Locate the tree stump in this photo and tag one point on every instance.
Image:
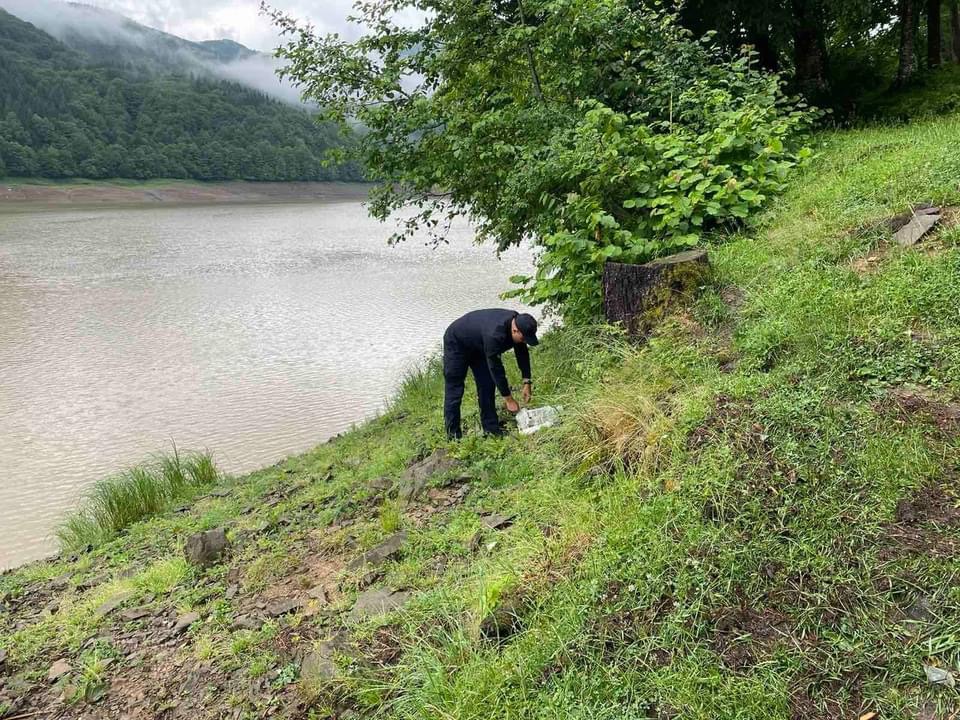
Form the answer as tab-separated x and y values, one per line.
638	296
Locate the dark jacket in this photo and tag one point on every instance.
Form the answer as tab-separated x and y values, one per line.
486	334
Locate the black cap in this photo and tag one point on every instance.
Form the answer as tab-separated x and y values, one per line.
528	326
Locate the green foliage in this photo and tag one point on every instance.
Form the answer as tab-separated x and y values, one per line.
90	682
644	192
391	518
594	128
931	94
61	116
117	502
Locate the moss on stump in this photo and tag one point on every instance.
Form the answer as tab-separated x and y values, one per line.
639	296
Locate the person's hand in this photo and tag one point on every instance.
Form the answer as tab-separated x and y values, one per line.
512	405
527	392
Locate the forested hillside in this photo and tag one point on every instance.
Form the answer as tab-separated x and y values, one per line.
63	116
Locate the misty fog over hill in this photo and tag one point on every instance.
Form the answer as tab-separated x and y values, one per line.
109	39
99	96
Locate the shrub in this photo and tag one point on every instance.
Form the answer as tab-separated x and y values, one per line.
639	191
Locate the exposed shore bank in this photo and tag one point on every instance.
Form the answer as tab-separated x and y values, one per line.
20	193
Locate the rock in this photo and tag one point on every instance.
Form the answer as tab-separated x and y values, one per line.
91	582
922	611
318	592
134	614
496	522
282	606
919	225
369	578
185	621
415	478
939	676
381	484
205	548
3	658
319	665
378	555
58	670
113	603
232	592
247	622
221	492
639	296
376	602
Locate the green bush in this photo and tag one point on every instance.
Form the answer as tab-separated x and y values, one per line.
639	191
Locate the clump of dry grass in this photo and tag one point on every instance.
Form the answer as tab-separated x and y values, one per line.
620	426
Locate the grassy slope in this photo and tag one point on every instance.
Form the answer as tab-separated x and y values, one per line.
760	530
931	94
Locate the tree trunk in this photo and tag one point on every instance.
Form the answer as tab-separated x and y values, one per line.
934	34
640	296
809	50
908	32
766	52
955	29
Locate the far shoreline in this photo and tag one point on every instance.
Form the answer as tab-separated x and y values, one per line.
37	194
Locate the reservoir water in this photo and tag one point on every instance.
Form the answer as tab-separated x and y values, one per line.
254	331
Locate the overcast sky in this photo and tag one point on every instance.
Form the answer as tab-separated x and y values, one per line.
238	20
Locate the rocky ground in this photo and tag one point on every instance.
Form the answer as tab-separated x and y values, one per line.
140	657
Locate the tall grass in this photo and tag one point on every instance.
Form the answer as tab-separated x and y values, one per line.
118	501
420	386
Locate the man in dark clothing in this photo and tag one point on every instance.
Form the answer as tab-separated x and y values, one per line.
476	341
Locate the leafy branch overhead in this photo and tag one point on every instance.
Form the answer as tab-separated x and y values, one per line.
593	128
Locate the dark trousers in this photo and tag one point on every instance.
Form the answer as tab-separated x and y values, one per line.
455	364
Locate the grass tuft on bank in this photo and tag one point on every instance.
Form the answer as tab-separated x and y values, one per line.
753	514
114	503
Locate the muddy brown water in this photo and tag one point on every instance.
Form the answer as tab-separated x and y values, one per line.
254	331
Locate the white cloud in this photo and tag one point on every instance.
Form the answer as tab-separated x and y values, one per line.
238	20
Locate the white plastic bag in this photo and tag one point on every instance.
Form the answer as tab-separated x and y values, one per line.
529	420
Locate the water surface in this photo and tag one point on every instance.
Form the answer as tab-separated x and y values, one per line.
254	331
